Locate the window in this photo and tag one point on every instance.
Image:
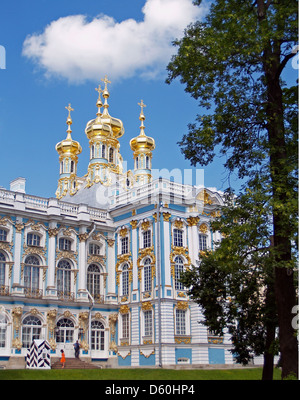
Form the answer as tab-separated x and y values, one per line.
97	335
147	239
111	155
148	322
33	239
3	235
93	280
72	167
147	162
31	330
2	269
180	322
94	249
147	276
64	278
65	331
3	329
124	245
137	163
125	326
178	271
31	276
103	151
178	238
202	242
64	244
125	280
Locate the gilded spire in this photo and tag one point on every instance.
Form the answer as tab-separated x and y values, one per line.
142	118
69	121
105	94
99	102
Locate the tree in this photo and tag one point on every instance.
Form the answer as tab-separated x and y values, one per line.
234	285
233	63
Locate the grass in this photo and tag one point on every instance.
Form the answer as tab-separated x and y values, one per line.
137	374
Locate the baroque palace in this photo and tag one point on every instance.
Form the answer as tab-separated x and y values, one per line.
101	261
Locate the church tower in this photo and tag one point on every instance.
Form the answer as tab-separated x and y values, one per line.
103	133
68	151
142	147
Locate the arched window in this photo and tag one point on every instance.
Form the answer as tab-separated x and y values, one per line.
137	163
64	278
97	335
178	271
3	330
31	330
111	155
31	276
147	275
2	270
93	281
65	331
125	280
72	166
147	162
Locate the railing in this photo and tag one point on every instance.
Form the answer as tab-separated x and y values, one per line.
69	296
150	191
33	293
98	298
43	204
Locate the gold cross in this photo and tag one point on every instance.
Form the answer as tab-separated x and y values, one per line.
142	105
98	89
69	108
106	81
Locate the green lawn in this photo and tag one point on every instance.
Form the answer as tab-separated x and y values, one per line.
136	374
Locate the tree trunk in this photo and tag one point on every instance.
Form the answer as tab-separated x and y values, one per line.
285	292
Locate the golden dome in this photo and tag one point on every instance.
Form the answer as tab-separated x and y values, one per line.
142	142
68	145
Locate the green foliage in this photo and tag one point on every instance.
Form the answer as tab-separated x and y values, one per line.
232	63
234	283
221	62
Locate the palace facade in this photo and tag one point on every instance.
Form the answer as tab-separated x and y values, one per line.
101	261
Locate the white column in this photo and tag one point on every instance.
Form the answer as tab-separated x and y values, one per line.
82	293
16	287
51	289
167	246
111	270
134	256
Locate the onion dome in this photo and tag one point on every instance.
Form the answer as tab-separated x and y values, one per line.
68	146
142	143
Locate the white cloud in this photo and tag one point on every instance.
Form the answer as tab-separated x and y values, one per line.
78	49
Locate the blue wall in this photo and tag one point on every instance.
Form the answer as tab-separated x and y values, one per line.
147	360
216	356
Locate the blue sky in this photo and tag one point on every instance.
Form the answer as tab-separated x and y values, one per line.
57	53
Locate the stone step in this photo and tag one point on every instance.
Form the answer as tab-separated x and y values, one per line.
74	363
